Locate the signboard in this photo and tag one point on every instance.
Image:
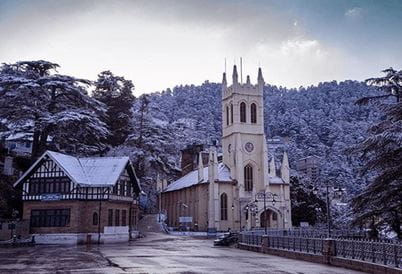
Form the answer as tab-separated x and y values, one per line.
187	219
304	224
51	197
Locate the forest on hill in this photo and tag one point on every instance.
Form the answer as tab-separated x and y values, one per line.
318	120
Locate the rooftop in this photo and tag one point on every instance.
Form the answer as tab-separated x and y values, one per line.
87	171
191	178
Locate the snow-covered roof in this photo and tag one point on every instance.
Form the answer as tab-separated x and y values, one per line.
24	136
191	178
93	171
275	180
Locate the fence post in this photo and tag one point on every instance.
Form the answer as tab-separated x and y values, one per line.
265	244
373	251
328	250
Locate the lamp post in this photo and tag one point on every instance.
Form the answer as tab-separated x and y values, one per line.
233	217
327	201
107	190
240	202
251	208
263	195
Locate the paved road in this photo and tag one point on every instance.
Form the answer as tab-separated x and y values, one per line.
156	253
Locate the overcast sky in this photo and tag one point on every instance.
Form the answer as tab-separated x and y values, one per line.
160	44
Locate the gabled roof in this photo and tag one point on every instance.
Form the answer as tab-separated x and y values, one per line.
191	178
92	171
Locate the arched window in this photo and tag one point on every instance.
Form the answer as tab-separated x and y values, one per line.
231	113
224	207
253	113
242	112
248	178
227	115
95	219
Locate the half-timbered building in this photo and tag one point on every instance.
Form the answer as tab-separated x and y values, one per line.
75	200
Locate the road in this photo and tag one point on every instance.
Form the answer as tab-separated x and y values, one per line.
156	253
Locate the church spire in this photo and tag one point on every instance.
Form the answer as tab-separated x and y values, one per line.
260	78
235	77
272	168
285	168
200	168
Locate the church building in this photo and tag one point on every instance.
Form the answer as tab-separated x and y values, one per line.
218	195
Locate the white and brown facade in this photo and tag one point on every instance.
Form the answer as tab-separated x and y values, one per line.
76	200
220	196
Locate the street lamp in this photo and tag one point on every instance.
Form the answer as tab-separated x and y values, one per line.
263	195
338	191
251	208
106	190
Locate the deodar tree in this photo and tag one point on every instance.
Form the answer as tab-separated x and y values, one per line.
116	93
53	107
380	203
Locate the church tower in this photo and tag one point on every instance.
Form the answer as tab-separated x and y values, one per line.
243	140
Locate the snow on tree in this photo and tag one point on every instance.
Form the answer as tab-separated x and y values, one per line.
380	203
151	147
306	206
34	99
116	93
391	84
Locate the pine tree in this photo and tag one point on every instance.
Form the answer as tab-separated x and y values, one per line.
306	206
391	84
380	203
52	107
117	93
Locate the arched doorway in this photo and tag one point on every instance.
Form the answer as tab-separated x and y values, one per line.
269	218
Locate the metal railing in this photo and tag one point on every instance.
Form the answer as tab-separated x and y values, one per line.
311	233
370	251
250	239
378	252
298	244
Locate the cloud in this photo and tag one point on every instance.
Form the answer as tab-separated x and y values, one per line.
159	44
355	12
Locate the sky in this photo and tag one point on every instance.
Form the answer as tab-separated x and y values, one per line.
161	44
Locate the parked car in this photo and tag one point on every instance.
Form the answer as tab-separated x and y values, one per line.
226	239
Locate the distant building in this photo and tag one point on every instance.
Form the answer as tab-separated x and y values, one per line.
276	142
74	200
217	195
20	144
189	158
309	168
